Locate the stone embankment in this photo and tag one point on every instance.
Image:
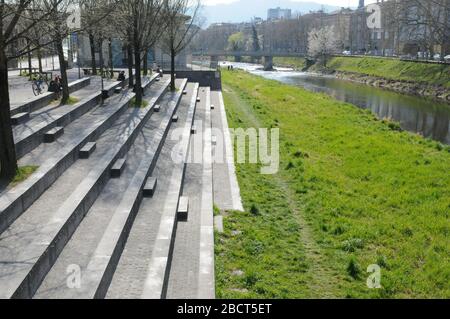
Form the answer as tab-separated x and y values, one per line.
436	92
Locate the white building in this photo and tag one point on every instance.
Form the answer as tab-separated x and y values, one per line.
279	14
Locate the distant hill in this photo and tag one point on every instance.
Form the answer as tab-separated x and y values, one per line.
245	10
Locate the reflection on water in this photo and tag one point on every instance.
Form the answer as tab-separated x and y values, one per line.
415	114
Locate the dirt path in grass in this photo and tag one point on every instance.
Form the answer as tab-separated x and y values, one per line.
321	284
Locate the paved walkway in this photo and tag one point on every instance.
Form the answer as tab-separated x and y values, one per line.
226	189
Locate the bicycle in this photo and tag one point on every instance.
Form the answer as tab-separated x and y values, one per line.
39	85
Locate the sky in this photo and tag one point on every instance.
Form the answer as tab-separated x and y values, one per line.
341	3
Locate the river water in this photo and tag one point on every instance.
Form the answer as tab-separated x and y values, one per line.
415	114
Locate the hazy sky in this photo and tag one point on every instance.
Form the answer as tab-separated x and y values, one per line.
342	3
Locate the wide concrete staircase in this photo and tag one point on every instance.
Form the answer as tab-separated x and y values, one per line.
100	218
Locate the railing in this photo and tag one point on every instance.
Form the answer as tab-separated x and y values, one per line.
417	60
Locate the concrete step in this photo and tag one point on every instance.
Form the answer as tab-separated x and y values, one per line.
46	98
30	135
150	187
53	159
53	134
87	150
149	243
183	209
20	118
70	197
191	274
118	167
114	209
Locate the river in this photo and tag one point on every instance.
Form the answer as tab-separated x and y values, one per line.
426	117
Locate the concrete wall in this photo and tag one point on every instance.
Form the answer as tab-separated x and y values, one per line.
212	79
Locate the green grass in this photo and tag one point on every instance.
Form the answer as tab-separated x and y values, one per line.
24	74
435	74
72	100
22	174
144	103
296	63
352	191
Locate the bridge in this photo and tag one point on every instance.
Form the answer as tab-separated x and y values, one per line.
267	55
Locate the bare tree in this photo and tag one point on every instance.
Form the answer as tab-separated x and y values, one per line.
97	18
182	19
430	20
140	22
11	15
59	11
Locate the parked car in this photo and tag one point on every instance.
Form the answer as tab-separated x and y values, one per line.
447	58
347	53
437	57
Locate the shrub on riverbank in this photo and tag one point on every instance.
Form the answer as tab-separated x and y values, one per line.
359	192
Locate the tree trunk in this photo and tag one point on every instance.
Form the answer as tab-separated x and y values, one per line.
93	62
39	55
63	70
111	62
130	66
100	55
137	66
172	70
145	63
30	62
8	160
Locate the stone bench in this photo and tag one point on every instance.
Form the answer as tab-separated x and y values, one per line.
183	208
198	100
185	92
214	140
157	79
87	150
20	118
150	187
193	129
175	118
118	168
53	134
118	90
212	107
157	108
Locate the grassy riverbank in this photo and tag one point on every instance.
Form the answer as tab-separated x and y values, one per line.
435	74
352	191
426	73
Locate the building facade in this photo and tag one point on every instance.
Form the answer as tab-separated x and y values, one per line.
279	14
